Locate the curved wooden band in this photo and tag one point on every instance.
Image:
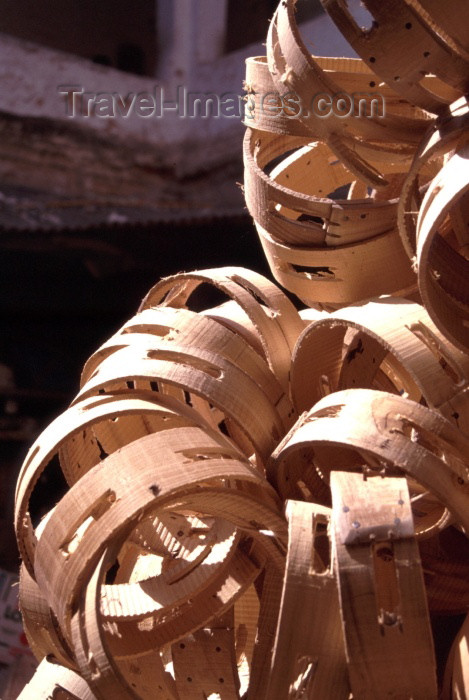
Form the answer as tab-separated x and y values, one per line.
393	134
391	344
252	412
357	427
341	275
54	681
40	625
205	662
270	311
402	46
308	657
89	429
293	68
381	589
442	270
115	511
444	135
195	337
293	203
105	676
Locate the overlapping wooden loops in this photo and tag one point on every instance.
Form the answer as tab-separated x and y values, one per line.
324	188
263	503
163	450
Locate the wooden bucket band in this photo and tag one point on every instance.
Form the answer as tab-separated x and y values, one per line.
337	276
267	308
374	431
403	45
249	415
199	336
381	589
309	657
52	680
444	135
394	133
63	583
205	662
294	71
442	247
40	624
91	428
169	568
293	202
389	344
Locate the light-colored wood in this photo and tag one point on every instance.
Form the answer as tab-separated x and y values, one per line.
443	268
382	594
366	430
269	310
445	134
54	681
403	44
214	541
389	344
309	659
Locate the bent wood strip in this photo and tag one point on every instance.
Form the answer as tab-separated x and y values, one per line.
205	662
175	453
207	376
448	132
341	275
298	189
389	344
54	681
267	307
402	45
309	658
376	432
442	266
79	423
382	594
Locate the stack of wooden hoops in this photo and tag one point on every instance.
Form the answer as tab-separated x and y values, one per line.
265	503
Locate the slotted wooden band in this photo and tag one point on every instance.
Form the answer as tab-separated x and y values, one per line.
85	433
392	134
253	414
215	542
381	589
156	322
444	135
442	244
388	344
269	310
403	44
342	275
180	474
97	666
288	64
299	189
364	429
196	337
308	659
